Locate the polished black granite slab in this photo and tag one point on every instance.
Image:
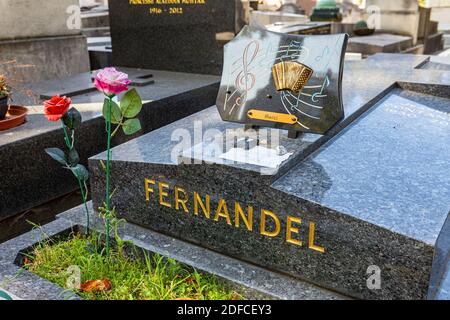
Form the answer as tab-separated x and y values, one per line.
185	37
30	178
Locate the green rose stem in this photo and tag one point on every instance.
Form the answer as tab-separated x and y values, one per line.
108	167
82	189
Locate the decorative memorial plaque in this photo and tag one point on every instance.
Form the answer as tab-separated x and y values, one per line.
283	81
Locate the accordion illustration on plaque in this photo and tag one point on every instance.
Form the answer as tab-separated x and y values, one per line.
283	81
291	75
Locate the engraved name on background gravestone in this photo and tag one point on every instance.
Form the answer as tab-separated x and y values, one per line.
283	81
173	35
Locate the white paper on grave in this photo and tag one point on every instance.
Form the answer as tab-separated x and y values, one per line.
259	155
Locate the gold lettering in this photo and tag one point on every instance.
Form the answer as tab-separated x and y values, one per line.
148	190
239	213
182	201
312	246
242	216
264	232
290	229
163	194
222	207
205	208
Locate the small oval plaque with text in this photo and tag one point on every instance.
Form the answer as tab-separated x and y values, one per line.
272	116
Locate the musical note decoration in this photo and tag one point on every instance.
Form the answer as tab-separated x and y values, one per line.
319	94
269	74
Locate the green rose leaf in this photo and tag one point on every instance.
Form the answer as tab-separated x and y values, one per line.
74	158
81	172
57	154
131	104
131	126
72	118
116	113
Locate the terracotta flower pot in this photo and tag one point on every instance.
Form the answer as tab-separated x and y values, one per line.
3	107
15	117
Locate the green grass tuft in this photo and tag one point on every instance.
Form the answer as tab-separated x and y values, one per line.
151	278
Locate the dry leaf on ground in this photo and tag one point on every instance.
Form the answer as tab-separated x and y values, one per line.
96	286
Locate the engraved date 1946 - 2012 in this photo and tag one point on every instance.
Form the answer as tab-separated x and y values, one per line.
170	10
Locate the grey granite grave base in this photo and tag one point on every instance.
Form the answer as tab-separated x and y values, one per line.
387	170
100	56
357	232
44	58
30	178
437	63
377	43
252	281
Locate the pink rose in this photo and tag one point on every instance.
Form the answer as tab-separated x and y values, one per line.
111	82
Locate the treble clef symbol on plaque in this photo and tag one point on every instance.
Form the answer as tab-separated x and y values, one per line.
246	80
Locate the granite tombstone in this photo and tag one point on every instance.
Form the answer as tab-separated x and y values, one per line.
184	36
361	210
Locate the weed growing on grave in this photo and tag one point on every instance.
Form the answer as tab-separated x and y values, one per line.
4	88
129	272
148	278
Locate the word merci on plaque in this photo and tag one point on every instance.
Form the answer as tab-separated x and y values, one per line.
179	199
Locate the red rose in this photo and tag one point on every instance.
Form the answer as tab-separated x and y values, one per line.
56	107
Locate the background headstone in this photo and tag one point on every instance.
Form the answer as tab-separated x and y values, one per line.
41	40
270	17
35	18
175	37
399	17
